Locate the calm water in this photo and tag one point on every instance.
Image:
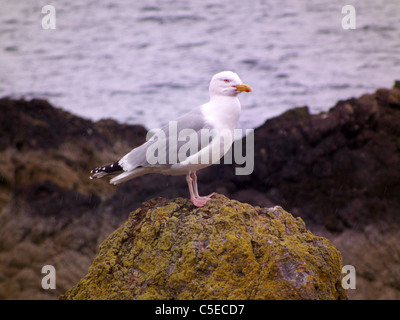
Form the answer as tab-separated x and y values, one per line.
149	61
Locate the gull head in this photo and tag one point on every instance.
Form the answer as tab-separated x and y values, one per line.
227	83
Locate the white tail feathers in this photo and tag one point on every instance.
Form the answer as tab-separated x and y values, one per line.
125	176
100	174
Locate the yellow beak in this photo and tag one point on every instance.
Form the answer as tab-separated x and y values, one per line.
243	87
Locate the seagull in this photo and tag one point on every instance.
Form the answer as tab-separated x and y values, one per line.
179	148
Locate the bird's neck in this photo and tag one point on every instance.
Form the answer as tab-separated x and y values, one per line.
223	111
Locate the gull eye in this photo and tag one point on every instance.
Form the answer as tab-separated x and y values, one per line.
226	80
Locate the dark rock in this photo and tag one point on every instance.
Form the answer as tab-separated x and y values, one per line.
339	171
320	164
39	142
45	199
45	224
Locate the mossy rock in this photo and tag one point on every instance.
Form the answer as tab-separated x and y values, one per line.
169	249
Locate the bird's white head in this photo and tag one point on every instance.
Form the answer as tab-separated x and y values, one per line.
227	83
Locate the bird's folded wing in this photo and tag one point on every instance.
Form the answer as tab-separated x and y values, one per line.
171	144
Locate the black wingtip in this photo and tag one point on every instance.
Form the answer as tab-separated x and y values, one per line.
111	168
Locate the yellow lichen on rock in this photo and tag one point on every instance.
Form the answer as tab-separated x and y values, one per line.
168	249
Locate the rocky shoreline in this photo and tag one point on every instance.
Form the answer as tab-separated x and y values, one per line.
339	171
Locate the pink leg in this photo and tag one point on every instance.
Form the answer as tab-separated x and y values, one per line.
198	201
190	185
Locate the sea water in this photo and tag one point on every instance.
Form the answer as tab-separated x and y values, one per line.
148	62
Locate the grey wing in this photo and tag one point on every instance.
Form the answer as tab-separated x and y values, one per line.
165	146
